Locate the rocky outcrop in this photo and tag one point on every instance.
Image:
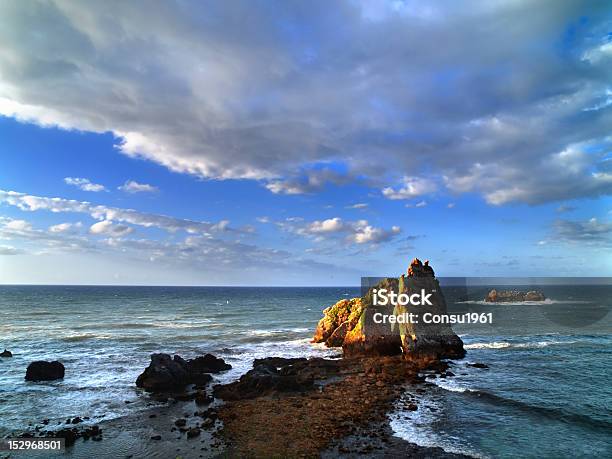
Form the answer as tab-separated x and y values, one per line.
207	363
6	354
44	371
166	373
504	296
369	338
268	375
352	324
422	340
337	321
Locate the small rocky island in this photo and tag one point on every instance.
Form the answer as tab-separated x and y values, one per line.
511	296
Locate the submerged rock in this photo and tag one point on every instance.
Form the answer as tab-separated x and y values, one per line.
495	296
6	354
44	371
166	373
478	365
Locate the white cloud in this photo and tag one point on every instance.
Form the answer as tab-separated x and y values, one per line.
263	219
412	187
281	187
195	252
131	186
568	174
8	250
209	95
450	205
18	225
99	212
12	229
84	184
64	227
330	225
353	232
359	205
365	233
107	227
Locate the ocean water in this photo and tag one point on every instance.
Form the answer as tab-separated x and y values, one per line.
547	391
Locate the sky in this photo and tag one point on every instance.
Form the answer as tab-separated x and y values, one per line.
303	143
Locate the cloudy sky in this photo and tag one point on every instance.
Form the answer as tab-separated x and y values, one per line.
303	143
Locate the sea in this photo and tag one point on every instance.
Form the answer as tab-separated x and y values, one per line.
545	393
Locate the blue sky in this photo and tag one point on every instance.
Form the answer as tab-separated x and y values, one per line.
303	143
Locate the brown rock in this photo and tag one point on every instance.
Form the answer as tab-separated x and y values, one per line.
334	316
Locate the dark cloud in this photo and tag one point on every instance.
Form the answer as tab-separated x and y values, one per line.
587	233
508	99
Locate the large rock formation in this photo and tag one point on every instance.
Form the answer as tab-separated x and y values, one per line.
504	296
354	320
166	373
424	340
44	371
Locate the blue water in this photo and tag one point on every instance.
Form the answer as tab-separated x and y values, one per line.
547	391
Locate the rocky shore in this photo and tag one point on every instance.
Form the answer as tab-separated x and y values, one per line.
331	408
340	410
288	407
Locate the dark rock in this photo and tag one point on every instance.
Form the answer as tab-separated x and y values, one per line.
263	379
44	371
70	436
208	413
76	420
184	396
207	423
6	354
166	373
478	365
156	437
203	399
207	363
180	422
193	432
278	361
